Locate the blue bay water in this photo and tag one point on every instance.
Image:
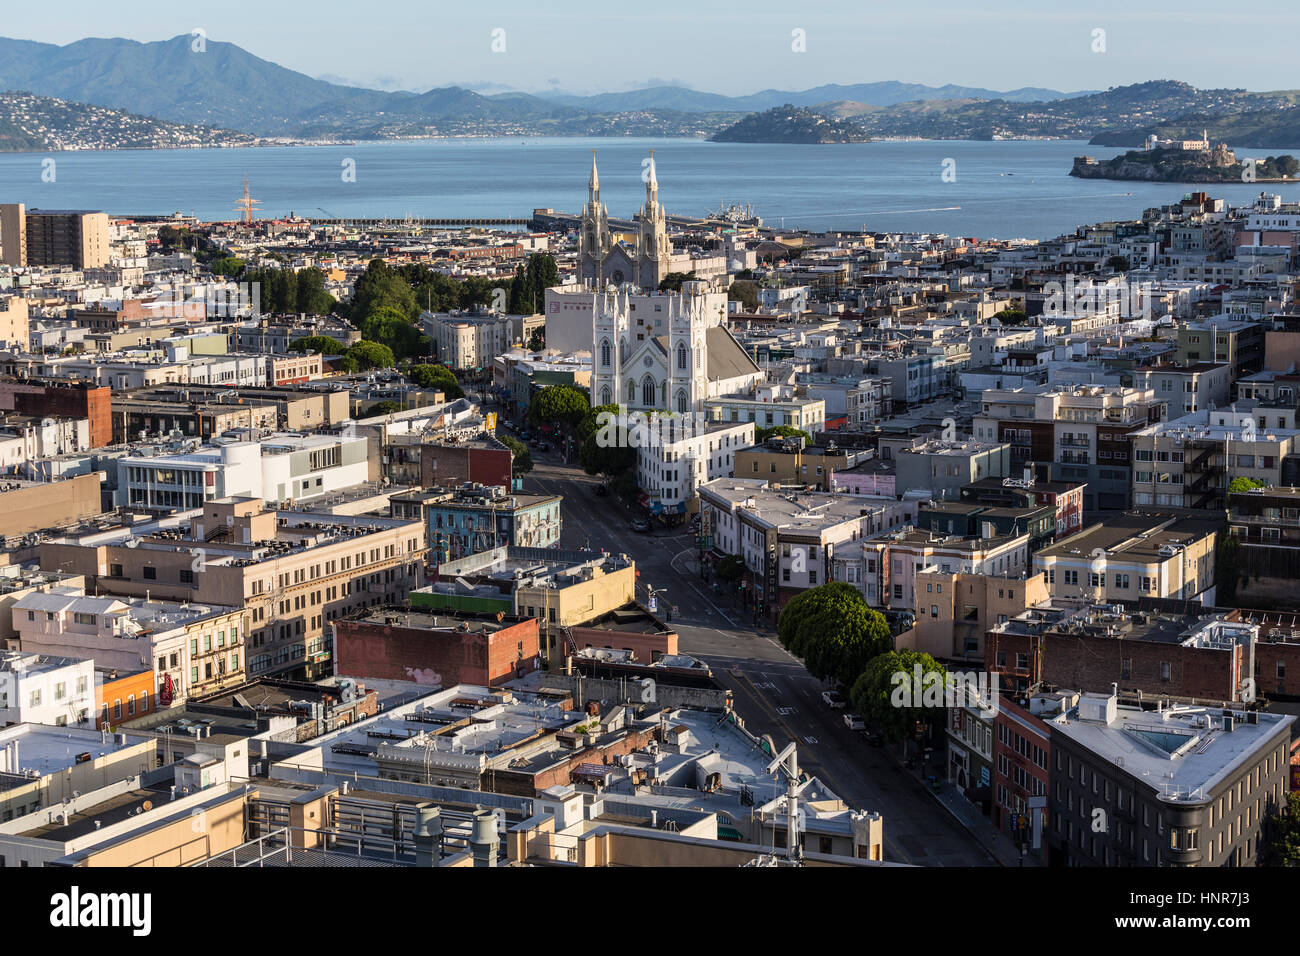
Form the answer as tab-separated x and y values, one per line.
1001	189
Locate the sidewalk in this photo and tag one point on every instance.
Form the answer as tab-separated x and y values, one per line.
996	842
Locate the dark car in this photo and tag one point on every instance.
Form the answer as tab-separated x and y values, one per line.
543	446
602	491
640	524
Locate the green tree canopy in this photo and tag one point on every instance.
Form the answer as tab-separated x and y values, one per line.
537	341
603	451
228	266
1119	263
1282	847
386	407
885	694
744	292
370	355
436	377
380	287
781	431
324	344
673	281
1245	484
391	327
521	461
730	569
1011	317
559	405
834	631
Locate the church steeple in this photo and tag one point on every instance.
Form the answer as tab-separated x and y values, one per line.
593	182
651	186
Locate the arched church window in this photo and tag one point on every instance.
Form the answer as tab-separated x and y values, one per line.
648	392
681	401
681	357
604	395
605	353
631	392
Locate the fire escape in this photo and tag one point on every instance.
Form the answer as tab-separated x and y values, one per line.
1208	492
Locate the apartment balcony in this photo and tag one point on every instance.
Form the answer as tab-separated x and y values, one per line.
1074	458
1076	441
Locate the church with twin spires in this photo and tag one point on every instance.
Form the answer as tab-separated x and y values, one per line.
602	261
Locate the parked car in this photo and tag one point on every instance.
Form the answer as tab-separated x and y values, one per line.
854	722
834	698
640	524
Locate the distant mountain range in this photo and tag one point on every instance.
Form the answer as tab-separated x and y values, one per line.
227	88
888	93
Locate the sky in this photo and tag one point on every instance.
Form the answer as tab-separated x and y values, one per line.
725	47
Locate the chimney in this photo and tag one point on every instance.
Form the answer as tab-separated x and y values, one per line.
428	836
483	838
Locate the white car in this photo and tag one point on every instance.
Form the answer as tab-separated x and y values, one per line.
833	699
854	722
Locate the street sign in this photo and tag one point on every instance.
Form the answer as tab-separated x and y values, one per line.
654	604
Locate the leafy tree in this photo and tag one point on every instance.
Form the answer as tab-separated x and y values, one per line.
521	461
558	404
673	281
744	292
596	454
391	327
386	407
380	287
324	344
1012	317
1245	484
781	431
228	266
1118	263
1282	843
890	703
312	297
1227	567
537	341
730	569
436	377
370	355
834	631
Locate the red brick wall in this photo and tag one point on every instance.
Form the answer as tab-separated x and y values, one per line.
1094	663
36	398
447	465
392	652
1267	657
647	647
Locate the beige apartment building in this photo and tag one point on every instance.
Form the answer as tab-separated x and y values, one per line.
193	649
53	237
954	610
14	325
294	573
1132	556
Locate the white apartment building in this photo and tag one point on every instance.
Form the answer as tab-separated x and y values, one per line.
284	467
670	471
768	406
40	689
469	341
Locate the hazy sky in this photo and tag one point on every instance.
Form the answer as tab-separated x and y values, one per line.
725	47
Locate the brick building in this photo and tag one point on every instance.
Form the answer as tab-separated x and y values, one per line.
484	461
394	643
1157	651
63	399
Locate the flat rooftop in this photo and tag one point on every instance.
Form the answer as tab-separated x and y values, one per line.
1181	752
1134	536
402	616
47	749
